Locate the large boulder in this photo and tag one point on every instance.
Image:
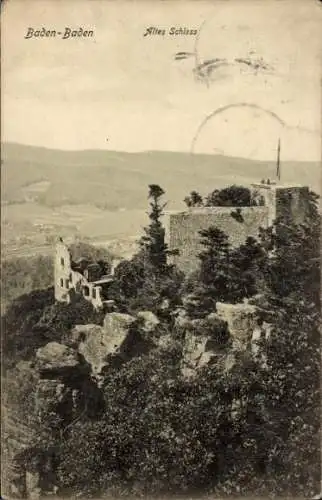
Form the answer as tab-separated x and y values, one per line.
117	324
242	319
102	345
57	360
121	337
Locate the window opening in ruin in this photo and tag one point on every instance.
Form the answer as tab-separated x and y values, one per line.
62	262
67	283
86	291
62	282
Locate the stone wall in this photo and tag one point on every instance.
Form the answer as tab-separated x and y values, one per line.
184	229
62	266
292	201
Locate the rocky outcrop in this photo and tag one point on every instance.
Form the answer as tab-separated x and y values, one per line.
148	320
195	354
100	344
117	326
81	332
16	432
66	385
121	337
203	340
92	348
242	319
58	360
247	328
237	325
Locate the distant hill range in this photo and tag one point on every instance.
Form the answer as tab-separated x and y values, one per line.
118	180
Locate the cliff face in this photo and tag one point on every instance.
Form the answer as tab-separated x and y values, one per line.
238	324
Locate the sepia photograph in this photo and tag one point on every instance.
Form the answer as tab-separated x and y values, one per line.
160	249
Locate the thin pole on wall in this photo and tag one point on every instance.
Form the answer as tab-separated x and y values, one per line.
278	165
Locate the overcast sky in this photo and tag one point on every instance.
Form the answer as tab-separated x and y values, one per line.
120	85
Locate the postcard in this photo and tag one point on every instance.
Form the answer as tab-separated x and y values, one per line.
160	214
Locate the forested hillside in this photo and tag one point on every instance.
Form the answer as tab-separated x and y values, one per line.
159	397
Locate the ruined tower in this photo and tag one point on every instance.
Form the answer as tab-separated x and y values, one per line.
83	276
288	200
62	267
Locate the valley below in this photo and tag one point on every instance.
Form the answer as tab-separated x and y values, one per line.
101	196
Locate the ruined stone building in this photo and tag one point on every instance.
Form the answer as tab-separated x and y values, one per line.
272	200
81	276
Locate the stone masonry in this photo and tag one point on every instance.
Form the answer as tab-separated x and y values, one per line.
274	200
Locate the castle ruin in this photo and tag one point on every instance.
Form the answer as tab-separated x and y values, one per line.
82	276
272	201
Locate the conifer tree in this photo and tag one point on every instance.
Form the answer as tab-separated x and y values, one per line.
148	280
227	274
250	261
216	266
153	242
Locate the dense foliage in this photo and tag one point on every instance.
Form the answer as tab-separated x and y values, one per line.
247	422
231	196
35	319
227	274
